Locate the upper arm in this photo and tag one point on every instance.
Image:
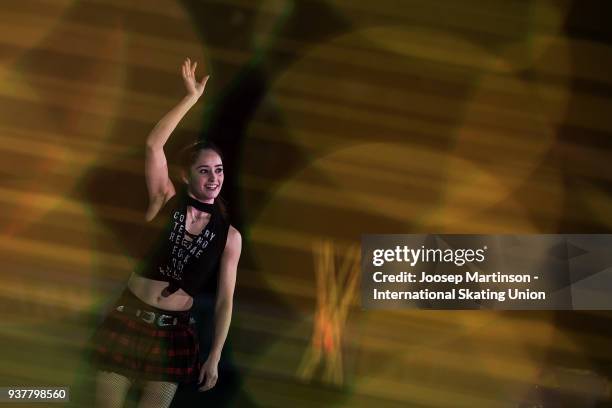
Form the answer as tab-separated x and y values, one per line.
229	265
159	185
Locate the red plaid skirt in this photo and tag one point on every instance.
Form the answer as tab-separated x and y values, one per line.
127	345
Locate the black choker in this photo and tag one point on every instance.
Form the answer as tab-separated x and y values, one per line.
200	205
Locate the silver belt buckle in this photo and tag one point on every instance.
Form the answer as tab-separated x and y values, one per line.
161	322
147	316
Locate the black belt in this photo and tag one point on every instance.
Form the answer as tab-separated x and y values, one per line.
156	318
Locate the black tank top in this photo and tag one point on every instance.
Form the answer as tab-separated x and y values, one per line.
187	265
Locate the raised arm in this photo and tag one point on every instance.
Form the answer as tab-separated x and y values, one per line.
223	307
159	185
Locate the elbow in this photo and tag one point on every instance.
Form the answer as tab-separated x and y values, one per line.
152	146
224	304
157	138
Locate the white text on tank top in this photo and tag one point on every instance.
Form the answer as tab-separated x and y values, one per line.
184	250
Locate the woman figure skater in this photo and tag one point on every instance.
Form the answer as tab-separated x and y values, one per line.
149	334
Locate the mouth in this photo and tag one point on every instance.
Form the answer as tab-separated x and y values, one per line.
211	187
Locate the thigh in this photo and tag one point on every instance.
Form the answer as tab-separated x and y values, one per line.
111	389
157	394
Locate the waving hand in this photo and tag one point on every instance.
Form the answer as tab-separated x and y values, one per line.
194	88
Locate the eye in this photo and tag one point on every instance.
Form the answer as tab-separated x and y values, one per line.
203	171
219	170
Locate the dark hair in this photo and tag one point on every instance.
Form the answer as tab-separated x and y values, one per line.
189	153
188	156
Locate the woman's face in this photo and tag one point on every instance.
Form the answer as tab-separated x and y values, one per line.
206	176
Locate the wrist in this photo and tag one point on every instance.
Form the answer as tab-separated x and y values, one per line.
191	99
214	356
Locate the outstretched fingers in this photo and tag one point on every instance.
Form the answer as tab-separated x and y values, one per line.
184	69
187	68
189	76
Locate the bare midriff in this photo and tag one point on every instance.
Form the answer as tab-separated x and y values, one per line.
150	292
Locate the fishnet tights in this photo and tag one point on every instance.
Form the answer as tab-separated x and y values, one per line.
111	389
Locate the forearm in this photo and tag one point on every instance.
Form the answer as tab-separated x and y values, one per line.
165	126
223	317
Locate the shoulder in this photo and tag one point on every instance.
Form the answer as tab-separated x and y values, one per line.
233	248
233	244
234	239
